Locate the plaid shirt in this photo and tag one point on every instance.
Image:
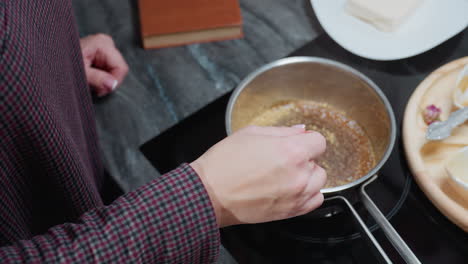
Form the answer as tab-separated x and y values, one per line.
51	178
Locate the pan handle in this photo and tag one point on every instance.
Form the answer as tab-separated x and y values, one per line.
387	228
378	251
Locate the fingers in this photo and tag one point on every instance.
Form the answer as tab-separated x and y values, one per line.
317	177
114	62
313	143
317	180
313	203
104	64
102	81
275	131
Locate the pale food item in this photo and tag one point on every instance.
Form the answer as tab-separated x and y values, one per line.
385	15
460	93
457	169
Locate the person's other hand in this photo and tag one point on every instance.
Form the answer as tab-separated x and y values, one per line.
104	65
261	174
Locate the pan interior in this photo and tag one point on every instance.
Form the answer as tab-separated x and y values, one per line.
325	97
348	147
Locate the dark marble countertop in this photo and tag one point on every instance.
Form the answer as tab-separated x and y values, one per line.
325	240
166	85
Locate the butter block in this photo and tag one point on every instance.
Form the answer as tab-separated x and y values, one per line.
385	15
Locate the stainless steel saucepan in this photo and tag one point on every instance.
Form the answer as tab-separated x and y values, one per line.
347	90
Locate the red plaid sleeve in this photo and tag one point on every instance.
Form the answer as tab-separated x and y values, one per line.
169	220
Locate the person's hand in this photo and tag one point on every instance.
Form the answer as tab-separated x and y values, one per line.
261	174
104	65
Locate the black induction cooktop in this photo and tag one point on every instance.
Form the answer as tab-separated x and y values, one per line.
336	239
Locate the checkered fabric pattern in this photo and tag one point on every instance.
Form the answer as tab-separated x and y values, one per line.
51	177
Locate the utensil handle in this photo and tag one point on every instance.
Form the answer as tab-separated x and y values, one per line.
387	228
378	251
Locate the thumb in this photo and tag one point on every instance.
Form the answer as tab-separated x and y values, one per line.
102	82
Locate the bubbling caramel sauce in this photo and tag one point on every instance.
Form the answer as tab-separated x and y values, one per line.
349	155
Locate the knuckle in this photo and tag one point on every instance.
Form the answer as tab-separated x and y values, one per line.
315	203
319	140
293	153
318	201
125	68
321	199
297	208
321	171
321	176
299	186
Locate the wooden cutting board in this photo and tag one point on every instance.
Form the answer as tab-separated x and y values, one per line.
427	158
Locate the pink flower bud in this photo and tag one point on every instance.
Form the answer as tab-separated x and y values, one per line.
431	114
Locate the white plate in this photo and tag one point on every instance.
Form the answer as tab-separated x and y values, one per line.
434	22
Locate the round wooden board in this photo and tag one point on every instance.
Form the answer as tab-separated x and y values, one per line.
426	159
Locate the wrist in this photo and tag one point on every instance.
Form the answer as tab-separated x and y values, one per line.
217	207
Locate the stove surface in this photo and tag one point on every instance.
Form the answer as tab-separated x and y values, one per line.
336	239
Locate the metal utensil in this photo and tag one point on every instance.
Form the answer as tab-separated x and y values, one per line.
443	129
